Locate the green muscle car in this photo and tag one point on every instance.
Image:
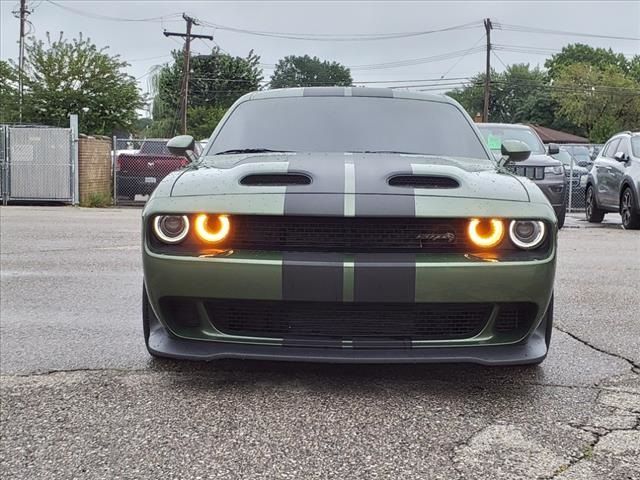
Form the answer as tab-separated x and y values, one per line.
348	225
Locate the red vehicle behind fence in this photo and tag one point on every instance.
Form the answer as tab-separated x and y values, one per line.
139	173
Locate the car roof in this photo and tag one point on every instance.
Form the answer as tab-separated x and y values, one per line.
344	92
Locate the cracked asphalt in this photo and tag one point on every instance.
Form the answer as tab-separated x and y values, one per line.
81	399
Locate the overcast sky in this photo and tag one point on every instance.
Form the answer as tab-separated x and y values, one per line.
141	43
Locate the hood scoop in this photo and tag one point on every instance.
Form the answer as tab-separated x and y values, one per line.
423	181
275	179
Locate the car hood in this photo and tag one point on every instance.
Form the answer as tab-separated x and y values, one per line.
358	173
540	160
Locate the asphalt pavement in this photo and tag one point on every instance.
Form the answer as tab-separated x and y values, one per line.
80	397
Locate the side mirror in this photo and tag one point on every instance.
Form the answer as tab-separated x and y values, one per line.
181	145
515	150
620	156
553	149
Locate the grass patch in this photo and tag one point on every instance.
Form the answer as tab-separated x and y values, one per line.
97	200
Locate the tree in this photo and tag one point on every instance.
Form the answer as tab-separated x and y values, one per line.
601	100
216	81
585	54
306	71
66	77
8	94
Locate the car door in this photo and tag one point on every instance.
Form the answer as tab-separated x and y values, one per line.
619	168
605	171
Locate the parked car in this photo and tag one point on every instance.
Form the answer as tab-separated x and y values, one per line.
139	173
545	171
348	225
613	184
574	173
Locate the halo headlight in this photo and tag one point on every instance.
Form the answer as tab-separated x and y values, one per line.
485	233
212	229
527	234
171	228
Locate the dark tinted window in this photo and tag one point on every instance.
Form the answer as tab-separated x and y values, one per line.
154	147
610	150
349	124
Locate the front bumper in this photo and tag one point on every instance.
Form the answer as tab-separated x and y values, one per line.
554	188
438	279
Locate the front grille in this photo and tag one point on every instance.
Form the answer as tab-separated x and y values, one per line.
514	317
338	234
348	321
534	173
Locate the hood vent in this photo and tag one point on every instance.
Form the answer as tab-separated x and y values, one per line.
423	181
275	179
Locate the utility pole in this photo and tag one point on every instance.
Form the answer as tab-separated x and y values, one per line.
23	19
487	75
184	90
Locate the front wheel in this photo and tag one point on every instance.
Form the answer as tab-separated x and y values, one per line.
630	215
593	213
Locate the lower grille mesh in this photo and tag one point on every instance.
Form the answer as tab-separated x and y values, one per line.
346	321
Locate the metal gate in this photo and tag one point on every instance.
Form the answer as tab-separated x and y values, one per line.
38	164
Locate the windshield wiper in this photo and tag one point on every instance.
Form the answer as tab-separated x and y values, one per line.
251	150
387	151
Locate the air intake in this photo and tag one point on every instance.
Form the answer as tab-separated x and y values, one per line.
423	181
275	179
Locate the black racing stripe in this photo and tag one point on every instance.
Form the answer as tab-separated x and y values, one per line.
327	175
324	92
375	197
372	92
312	276
384	277
321	282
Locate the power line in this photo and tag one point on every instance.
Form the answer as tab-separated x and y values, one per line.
338	37
546	31
114	19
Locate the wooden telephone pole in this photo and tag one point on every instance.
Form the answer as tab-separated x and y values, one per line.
184	89
487	75
23	19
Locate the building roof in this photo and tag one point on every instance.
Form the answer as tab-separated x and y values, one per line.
549	135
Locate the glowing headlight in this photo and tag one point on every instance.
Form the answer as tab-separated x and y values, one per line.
527	234
557	170
486	233
212	229
171	228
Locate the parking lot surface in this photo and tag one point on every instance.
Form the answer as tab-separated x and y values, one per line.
80	397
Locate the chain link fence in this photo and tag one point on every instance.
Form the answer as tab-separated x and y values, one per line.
139	166
37	164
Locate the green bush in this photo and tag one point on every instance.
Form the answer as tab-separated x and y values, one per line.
97	200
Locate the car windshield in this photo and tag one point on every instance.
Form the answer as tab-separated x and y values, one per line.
581	153
563	156
635	146
496	134
348	124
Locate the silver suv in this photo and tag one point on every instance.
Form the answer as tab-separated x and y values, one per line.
613	184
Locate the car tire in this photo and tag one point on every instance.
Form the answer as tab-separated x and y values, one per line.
146	321
592	212
630	215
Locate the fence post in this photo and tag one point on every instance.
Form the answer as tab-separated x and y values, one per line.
73	124
114	154
5	166
570	184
